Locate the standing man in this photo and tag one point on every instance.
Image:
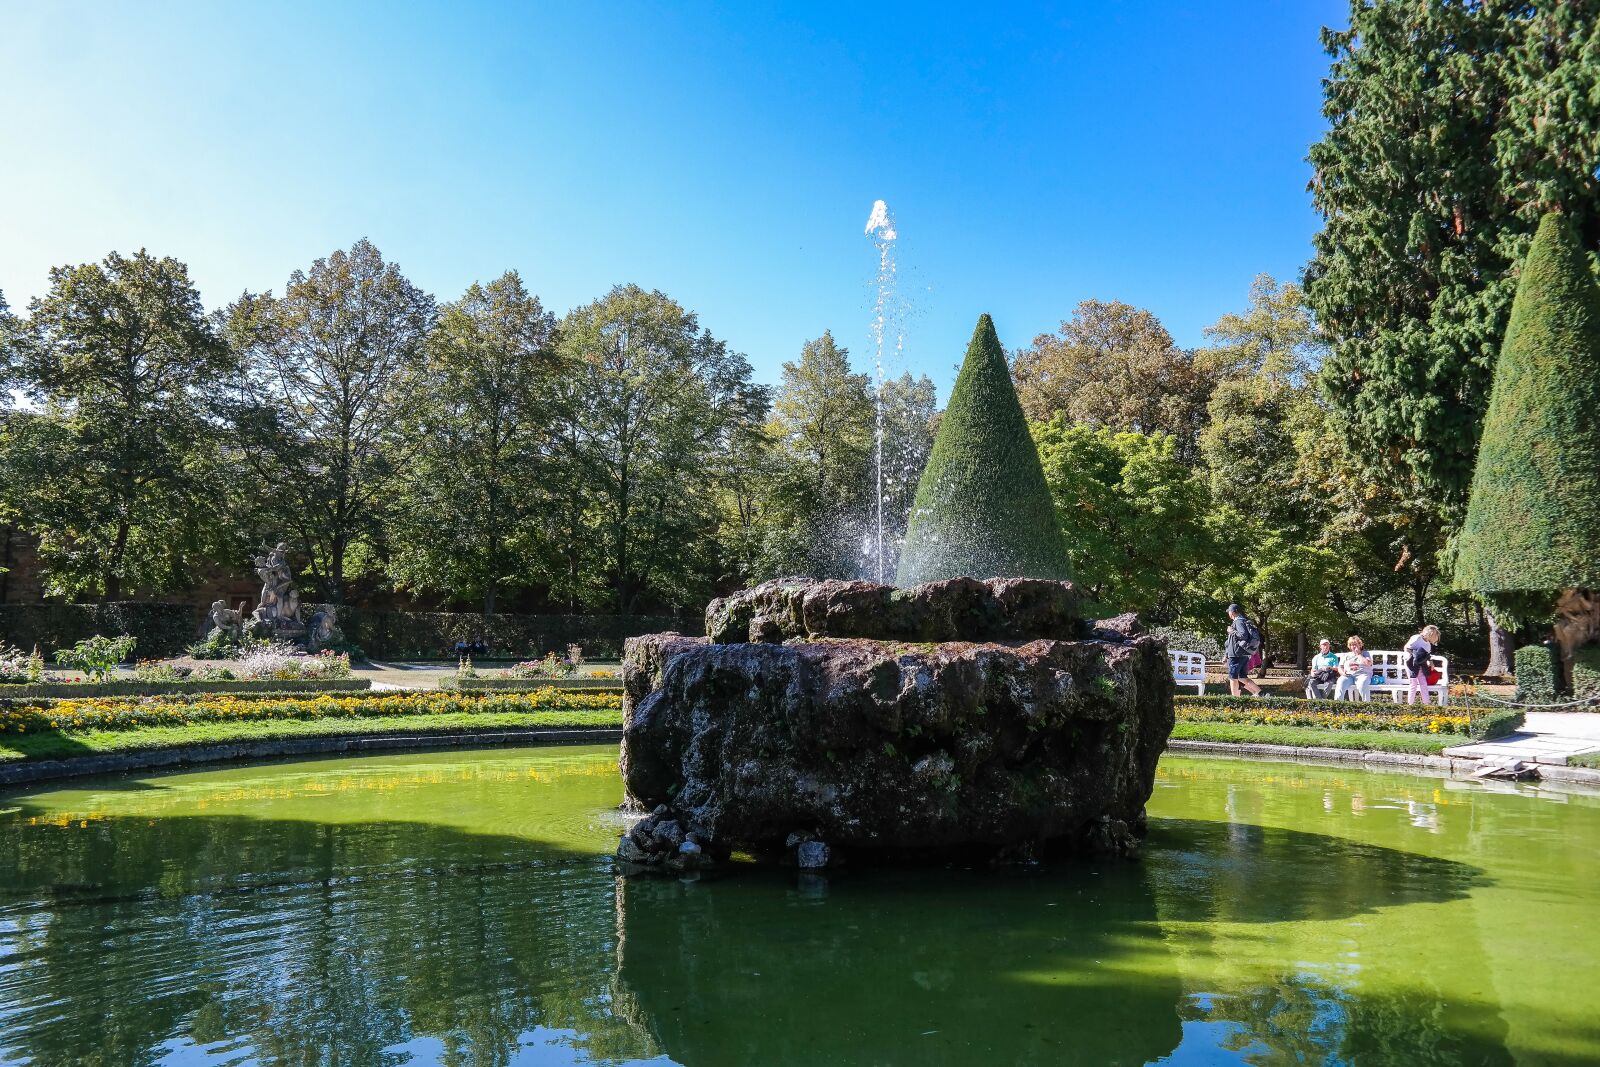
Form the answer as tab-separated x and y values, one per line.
1244	641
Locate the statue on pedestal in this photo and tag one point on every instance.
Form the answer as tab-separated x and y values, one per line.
277	614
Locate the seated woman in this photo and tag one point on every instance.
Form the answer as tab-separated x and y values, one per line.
1324	672
1355	672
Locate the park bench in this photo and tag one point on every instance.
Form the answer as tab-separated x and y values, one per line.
1188	668
1390	675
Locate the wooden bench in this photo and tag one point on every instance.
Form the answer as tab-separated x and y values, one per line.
1188	668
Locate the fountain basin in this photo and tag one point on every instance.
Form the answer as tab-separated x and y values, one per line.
820	748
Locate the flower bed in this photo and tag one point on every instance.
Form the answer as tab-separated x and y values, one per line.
129	714
138	688
1477	721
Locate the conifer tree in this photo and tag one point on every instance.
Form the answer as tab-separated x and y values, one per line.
983	508
1533	519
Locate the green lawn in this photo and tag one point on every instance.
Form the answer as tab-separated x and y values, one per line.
1310	736
64	744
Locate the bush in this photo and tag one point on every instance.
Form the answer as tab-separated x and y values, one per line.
552	666
1532	526
1188	641
1586	673
17	666
529	685
983	507
278	662
187	687
127	714
433	634
1537	670
97	656
160	629
1471	720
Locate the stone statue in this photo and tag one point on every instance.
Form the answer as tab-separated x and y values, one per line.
324	629
227	622
277	614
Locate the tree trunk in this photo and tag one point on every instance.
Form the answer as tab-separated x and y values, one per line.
114	572
1499	648
1300	648
1419	599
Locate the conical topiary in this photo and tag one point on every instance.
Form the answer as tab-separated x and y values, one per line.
983	508
1533	519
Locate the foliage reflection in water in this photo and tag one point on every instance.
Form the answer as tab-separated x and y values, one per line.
462	908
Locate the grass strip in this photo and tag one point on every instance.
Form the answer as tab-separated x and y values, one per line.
66	744
1311	737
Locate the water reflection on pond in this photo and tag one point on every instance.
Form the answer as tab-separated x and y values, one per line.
462	908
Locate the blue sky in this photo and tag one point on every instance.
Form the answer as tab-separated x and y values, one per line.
729	155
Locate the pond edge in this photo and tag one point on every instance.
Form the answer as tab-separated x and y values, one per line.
185	755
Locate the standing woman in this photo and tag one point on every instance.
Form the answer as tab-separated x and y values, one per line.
1355	672
1419	661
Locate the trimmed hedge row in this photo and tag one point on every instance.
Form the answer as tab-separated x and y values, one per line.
529	685
169	629
161	629
1475	721
135	688
433	634
1586	672
117	714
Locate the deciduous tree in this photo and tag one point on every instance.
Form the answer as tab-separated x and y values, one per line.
331	371
120	360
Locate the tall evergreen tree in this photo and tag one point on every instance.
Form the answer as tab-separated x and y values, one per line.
983	507
1452	128
1533	522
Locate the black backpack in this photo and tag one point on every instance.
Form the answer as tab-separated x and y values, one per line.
1252	638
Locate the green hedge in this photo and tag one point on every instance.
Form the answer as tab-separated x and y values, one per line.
1483	721
161	629
1538	672
433	634
529	685
1586	673
136	688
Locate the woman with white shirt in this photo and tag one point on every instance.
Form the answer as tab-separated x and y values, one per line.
1419	660
1355	672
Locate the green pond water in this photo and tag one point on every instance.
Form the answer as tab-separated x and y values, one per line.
461	908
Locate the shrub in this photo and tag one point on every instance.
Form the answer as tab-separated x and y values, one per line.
96	714
1473	721
1533	518
433	634
193	686
549	667
1537	670
1188	641
17	666
982	507
1586	673
161	629
97	656
285	662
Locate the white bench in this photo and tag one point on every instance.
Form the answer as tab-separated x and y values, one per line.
1188	668
1390	675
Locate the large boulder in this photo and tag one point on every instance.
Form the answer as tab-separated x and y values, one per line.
883	747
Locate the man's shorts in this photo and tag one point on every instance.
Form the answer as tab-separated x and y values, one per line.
1238	667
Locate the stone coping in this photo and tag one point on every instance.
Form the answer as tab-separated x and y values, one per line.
185	755
1453	766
